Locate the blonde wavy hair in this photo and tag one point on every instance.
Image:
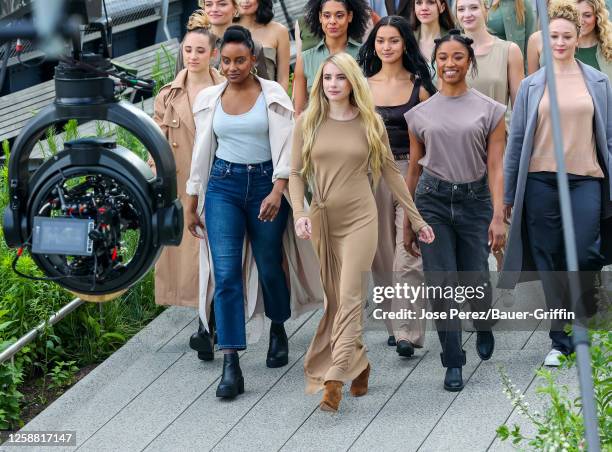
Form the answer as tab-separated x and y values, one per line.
564	9
361	97
603	27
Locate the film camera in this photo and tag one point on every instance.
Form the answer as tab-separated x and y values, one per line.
94	217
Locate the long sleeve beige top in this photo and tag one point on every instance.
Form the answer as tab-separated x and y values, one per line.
345	237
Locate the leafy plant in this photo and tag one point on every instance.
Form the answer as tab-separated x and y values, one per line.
63	374
163	68
561	426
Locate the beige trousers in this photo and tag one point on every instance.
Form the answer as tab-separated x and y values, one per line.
393	264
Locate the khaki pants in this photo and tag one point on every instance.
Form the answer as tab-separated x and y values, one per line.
392	264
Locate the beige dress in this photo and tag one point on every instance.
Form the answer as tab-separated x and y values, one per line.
344	235
492	78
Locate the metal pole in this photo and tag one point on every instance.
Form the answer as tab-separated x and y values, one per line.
580	336
163	32
32	334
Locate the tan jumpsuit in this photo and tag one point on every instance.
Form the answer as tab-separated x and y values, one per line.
344	235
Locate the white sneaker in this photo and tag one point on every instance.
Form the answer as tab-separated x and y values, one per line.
552	359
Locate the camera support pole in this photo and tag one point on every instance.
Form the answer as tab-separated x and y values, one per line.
580	336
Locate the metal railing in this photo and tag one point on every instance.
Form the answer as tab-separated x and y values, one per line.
24	340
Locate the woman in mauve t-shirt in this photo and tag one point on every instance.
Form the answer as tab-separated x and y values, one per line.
457	140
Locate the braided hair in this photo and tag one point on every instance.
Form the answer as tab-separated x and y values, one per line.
455	35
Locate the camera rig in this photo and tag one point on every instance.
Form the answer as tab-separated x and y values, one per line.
94	216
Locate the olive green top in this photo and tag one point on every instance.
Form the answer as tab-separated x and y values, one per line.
313	57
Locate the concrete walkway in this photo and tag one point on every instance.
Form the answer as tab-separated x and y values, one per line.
155	395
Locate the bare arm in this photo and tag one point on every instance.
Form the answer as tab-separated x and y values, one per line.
516	70
534	47
423	94
417	152
283	56
495	153
300	94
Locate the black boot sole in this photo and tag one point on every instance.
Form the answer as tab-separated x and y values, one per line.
206	356
273	363
229	392
406	352
203	346
454	388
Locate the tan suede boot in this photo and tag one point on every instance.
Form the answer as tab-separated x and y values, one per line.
359	386
332	394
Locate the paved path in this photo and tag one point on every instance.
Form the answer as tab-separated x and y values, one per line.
155	395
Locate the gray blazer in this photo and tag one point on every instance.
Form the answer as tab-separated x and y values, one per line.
518	157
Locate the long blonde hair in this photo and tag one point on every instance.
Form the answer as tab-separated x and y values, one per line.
603	28
361	97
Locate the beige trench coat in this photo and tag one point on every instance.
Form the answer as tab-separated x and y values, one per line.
176	271
304	281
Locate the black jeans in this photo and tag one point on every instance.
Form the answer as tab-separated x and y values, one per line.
545	240
460	215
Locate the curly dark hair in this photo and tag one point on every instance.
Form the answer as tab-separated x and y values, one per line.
455	35
265	12
357	27
412	59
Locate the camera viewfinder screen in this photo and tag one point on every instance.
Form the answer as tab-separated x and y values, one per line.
68	236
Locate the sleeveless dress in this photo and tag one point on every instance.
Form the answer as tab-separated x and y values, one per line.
344	235
492	78
269	54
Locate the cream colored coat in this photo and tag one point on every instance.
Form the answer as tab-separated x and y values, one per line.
176	270
304	281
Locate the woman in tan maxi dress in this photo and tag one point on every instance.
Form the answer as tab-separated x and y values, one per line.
336	141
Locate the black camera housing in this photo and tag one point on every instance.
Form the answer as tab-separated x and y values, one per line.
86	95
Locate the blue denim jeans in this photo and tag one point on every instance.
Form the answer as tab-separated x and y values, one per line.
460	215
233	199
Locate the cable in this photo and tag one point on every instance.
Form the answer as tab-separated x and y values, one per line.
133	82
30	277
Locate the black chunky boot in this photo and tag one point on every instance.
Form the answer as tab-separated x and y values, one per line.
278	349
232	381
201	342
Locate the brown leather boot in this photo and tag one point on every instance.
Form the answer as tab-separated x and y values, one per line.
332	394
359	386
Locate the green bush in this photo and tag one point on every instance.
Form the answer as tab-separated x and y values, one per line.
561	426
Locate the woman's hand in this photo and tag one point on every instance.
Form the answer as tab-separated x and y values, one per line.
303	228
507	213
270	206
411	244
426	234
193	221
497	235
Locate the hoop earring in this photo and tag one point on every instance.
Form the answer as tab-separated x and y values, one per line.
253	71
